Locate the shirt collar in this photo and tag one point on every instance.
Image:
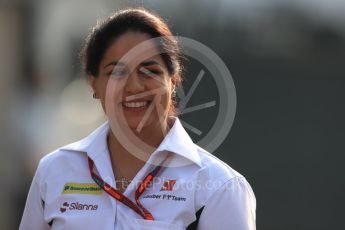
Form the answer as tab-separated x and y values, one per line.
179	142
94	144
176	141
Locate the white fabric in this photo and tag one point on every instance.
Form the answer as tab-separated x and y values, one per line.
206	182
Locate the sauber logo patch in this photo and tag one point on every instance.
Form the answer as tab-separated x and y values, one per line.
77	206
82	188
165	197
168	185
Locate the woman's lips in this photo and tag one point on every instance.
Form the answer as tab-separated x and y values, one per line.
135	105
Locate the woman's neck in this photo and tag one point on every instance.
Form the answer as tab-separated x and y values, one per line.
125	162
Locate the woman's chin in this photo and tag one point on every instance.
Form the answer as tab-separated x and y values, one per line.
137	124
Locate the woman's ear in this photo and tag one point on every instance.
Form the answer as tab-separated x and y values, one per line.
174	81
92	82
173	87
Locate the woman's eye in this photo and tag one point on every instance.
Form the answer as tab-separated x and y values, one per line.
118	73
149	72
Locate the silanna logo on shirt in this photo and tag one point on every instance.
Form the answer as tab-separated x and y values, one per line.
77	206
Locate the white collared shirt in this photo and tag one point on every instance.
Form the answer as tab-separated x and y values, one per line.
201	190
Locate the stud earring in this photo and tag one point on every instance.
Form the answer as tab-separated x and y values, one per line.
174	94
94	95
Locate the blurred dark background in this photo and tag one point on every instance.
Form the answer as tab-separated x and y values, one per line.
286	58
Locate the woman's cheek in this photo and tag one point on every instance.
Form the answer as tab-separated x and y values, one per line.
112	96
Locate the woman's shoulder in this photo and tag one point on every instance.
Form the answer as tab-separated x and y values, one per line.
76	151
62	153
59	159
215	168
219	180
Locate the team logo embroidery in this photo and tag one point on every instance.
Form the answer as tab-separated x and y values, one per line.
77	206
168	185
82	188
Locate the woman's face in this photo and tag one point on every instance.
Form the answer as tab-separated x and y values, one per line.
140	86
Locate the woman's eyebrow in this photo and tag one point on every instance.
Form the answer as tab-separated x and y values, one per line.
114	63
150	62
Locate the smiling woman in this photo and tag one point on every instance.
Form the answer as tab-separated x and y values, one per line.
140	75
132	62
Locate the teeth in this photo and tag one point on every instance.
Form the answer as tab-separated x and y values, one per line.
135	104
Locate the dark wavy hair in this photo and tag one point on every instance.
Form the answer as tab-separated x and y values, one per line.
133	19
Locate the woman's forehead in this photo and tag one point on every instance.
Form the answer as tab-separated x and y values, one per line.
132	47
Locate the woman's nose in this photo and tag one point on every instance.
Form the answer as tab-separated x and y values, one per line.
134	84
